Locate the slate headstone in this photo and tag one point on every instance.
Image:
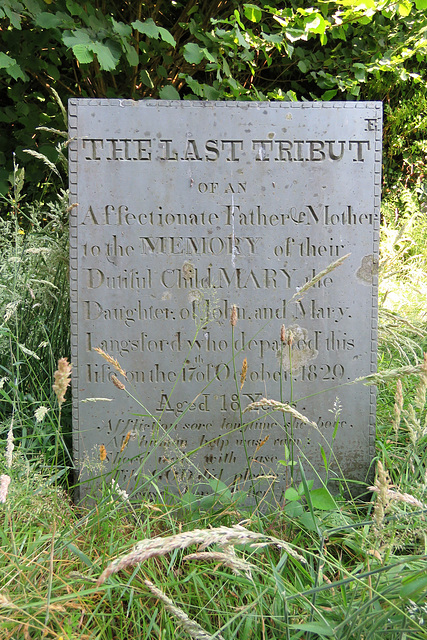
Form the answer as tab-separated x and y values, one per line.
182	210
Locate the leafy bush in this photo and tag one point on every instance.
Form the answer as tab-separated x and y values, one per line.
215	51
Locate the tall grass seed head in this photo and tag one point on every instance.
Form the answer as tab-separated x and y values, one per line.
117	383
125	441
62	378
114	363
382	488
9	446
420	392
398	406
243	373
283	334
4	486
233	316
40	413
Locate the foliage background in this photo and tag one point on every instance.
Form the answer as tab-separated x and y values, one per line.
216	50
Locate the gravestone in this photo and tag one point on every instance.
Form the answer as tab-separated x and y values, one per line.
182	210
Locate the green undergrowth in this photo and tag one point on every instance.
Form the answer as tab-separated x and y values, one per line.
314	566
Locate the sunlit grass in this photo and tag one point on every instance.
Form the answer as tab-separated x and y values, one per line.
315	566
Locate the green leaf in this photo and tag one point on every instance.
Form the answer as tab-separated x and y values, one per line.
83	53
276	38
169	92
6	61
107	56
219	487
122	29
368	4
75	8
413	587
311	523
291	494
195	86
303	66
295	34
404	8
322	499
359	71
238	20
131	54
79	36
421	4
324	458
16	72
211	94
320	628
189	500
241	40
193	53
252	12
77	552
14	17
294	510
166	36
317	24
145	79
147	28
48	20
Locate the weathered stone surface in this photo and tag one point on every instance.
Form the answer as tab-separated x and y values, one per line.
184	209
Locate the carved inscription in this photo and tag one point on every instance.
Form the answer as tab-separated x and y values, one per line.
184	211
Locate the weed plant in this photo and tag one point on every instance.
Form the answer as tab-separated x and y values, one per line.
34	315
317	567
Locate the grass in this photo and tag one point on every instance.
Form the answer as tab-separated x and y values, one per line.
319	566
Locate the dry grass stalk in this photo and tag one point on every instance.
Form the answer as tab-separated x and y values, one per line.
62	379
391	374
299	294
279	406
102	453
230	560
191	627
114	363
420	392
406	497
388	495
223	536
398	406
243	373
